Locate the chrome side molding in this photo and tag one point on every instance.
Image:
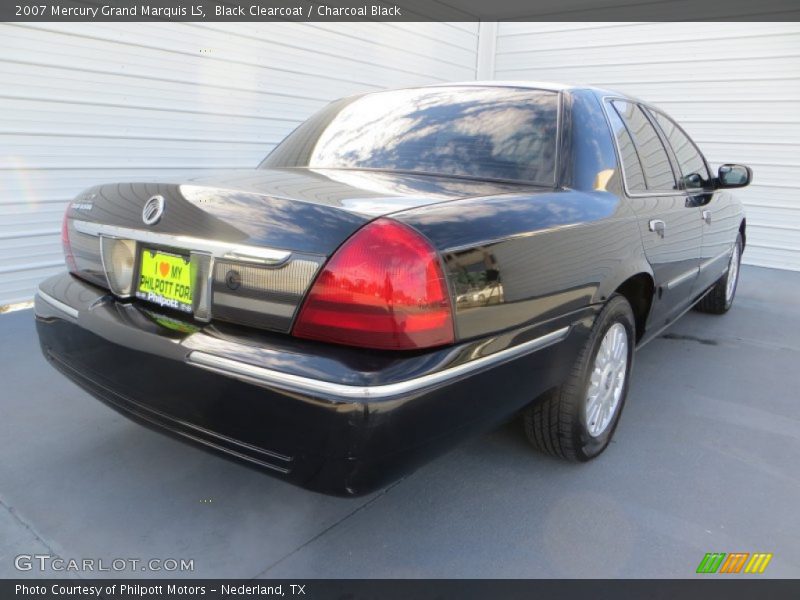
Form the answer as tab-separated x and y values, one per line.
272	378
64	308
673	283
265	256
707	263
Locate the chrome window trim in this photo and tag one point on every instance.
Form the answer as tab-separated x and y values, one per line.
559	138
64	308
271	257
272	378
654	109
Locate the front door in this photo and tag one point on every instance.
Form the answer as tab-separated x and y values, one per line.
719	218
670	225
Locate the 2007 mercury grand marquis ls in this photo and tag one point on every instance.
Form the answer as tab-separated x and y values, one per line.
404	270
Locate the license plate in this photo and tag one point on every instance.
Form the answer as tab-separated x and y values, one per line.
165	279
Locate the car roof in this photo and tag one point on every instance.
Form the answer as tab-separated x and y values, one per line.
525	84
536	85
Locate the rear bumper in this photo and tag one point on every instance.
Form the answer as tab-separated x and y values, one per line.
336	420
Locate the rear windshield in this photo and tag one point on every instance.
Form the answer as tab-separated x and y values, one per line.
483	133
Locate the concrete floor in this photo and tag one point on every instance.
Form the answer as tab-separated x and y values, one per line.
706	459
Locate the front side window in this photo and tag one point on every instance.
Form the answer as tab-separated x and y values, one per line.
478	132
694	173
653	156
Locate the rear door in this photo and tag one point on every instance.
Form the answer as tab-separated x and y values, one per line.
671	227
719	218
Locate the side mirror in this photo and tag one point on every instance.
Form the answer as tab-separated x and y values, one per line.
734	176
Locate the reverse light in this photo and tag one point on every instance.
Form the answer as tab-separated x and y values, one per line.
384	288
119	258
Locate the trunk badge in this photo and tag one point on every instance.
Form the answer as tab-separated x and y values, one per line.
153	209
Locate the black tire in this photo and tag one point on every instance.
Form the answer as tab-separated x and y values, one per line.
556	422
716	301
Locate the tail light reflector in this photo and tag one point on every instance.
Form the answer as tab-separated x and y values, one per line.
66	245
384	288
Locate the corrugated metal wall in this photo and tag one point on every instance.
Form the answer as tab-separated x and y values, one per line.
89	103
734	86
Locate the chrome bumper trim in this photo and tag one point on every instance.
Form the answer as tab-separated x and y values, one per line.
65	308
271	378
270	257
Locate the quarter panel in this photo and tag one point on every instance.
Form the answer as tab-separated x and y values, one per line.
518	260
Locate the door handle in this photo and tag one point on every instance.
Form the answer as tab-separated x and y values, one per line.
658	226
707	216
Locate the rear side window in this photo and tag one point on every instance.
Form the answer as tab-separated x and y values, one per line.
694	173
653	156
634	176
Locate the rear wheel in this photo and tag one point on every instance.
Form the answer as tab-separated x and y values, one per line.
720	298
577	419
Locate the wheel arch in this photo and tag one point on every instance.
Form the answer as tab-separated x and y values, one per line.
638	290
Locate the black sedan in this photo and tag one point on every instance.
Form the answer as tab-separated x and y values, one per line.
406	269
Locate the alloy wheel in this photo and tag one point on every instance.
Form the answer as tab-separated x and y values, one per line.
607	380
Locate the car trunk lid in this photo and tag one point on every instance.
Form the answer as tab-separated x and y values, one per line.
253	240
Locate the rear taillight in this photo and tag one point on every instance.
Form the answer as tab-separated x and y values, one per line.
69	258
384	288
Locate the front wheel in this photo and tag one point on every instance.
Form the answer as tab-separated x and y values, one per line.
719	299
577	419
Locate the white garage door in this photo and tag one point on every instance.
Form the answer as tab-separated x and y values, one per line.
734	86
89	103
85	103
